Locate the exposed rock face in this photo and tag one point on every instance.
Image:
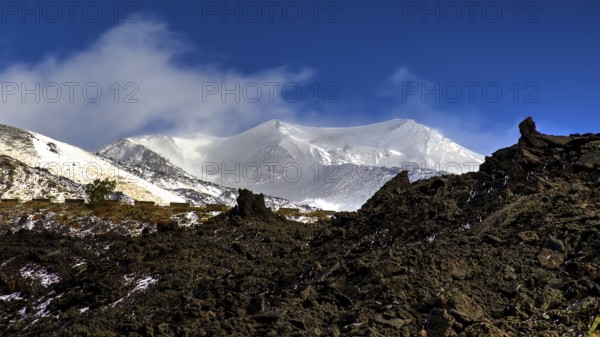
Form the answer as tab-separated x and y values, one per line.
529	133
251	206
390	191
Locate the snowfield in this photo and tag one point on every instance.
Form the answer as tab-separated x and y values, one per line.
36	166
294	166
329	168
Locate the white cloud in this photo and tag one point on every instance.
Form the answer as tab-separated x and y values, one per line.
141	59
404	75
172	97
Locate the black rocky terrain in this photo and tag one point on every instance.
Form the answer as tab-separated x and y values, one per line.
511	250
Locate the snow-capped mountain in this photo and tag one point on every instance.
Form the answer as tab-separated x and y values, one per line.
33	165
145	163
332	168
78	165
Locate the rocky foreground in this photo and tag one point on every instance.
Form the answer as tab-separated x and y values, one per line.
512	250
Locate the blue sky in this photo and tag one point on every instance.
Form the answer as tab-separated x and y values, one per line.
471	69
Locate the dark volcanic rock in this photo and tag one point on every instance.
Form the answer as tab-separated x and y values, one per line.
389	191
251	206
529	134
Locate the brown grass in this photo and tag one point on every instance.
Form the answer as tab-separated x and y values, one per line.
113	212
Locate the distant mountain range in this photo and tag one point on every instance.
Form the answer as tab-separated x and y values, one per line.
331	168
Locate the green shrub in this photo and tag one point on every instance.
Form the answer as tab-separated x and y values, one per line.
98	191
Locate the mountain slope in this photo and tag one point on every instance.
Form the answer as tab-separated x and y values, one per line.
318	166
40	158
20	181
147	164
82	167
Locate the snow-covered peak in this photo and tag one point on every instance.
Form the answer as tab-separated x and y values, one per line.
394	143
340	166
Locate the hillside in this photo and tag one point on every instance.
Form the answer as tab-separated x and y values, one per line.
36	166
67	161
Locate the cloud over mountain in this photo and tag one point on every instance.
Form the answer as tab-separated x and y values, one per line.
131	79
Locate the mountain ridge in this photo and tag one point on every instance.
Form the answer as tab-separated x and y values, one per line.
327	159
38	157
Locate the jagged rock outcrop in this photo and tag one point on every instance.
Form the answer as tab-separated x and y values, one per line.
251	206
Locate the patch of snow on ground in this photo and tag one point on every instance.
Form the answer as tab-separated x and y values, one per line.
79	262
187	219
34	272
11	297
129	278
6	262
42	308
141	284
28	223
192	218
322	204
302	218
49	220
